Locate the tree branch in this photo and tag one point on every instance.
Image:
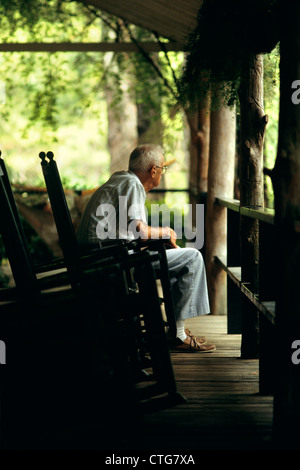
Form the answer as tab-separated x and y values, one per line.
148	59
163	48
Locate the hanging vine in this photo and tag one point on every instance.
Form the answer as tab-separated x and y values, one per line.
219	47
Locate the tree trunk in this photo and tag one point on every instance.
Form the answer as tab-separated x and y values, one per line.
286	183
252	130
220	183
150	126
199	123
122	127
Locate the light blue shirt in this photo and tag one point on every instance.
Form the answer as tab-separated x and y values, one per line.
113	208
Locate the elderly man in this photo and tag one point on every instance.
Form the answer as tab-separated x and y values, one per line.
117	210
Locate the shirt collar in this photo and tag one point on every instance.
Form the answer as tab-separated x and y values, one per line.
132	173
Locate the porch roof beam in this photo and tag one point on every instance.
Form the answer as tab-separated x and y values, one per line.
149	46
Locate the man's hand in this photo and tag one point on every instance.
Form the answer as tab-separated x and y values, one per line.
154	233
168	232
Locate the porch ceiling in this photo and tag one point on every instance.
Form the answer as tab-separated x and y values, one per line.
172	19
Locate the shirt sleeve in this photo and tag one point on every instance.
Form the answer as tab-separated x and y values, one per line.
136	203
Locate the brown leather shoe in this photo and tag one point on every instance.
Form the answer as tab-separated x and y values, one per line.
200	339
191	344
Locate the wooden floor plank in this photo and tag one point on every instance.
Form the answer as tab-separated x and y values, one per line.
224	409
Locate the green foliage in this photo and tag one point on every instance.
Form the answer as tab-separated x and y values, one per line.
271	85
175	214
51	95
38	17
218	50
52	100
50	81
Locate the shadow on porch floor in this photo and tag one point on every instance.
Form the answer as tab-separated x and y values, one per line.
224	410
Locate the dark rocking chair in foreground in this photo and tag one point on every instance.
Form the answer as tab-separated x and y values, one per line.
61	385
142	302
65	383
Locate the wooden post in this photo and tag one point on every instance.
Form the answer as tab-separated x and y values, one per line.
220	183
199	123
286	183
252	129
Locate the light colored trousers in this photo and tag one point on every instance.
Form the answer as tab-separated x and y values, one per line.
188	281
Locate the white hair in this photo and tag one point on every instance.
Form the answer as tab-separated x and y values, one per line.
143	157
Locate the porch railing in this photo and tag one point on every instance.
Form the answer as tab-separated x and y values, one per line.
251	301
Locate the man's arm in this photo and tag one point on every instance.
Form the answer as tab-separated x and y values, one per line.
147	232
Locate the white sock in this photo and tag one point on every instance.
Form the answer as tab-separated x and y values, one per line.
180	330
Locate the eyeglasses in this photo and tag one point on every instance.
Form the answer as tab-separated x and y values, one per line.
163	169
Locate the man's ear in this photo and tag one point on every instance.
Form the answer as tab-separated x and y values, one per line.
153	171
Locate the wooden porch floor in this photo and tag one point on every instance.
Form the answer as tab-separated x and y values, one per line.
224	410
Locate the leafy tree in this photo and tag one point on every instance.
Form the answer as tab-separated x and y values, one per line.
57	89
218	50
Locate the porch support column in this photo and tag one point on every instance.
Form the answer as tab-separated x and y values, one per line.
220	183
286	183
199	124
252	129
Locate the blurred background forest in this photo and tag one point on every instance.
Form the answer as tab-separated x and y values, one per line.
92	108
